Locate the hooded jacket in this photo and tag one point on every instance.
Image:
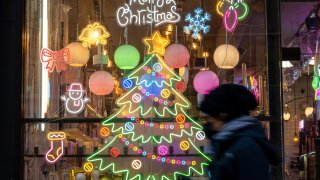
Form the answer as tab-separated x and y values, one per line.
242	152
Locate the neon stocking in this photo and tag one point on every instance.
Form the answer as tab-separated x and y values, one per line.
56	146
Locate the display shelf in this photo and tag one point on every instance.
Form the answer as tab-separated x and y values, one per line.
129	155
93	120
120	120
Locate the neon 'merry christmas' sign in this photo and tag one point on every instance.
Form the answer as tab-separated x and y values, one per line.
141	12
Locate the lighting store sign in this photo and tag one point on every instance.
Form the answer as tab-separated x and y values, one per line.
141	12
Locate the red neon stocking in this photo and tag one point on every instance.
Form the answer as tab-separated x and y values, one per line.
56	146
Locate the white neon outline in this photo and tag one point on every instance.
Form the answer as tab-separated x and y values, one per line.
135	165
126	16
199	136
81	99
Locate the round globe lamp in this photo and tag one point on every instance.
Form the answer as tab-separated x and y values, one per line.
79	55
226	56
286	113
177	56
127	57
101	83
205	81
308	111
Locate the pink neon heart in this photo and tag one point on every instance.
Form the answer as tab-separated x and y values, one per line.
230	20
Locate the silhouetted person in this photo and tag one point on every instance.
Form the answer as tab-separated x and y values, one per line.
241	150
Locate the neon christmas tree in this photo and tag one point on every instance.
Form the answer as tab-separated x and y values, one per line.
158	132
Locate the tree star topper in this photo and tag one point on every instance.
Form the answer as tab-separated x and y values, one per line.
197	23
93	34
156	43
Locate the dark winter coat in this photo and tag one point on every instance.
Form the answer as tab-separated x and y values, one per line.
242	153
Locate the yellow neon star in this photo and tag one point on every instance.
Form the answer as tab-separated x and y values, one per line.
156	43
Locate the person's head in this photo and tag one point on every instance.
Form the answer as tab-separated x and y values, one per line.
227	102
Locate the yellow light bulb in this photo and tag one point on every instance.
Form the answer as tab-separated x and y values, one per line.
170	27
205	54
194	46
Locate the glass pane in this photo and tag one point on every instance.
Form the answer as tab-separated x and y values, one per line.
94	88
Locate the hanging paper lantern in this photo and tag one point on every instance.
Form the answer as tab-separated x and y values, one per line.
101	83
177	56
127	57
205	81
79	55
226	56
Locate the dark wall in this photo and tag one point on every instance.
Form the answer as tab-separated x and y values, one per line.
11	13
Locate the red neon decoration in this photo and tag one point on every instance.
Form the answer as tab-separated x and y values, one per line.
57	59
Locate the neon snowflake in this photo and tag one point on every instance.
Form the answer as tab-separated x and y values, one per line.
197	23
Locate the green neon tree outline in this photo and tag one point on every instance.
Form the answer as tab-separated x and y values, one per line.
131	137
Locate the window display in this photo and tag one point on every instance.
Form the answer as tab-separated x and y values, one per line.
112	88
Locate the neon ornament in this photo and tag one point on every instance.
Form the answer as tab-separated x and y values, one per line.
74	100
127	83
94	34
184	145
155	12
242	9
56	146
55	59
163	150
129	126
197	23
136	98
104	132
114	152
88	167
200	135
136	164
221	7
230	19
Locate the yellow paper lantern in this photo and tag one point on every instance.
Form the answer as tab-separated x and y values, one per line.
79	55
226	56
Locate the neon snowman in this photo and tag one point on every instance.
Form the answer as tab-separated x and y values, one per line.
74	100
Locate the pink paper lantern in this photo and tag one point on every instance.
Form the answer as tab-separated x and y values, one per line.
101	83
205	81
177	56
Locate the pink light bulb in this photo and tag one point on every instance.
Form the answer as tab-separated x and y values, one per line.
230	20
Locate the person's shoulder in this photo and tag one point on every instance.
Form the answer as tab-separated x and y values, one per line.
244	144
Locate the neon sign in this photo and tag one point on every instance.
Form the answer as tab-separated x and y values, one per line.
141	12
232	11
197	23
74	100
93	34
57	59
56	146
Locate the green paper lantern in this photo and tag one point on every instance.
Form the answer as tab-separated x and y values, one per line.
127	57
315	82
